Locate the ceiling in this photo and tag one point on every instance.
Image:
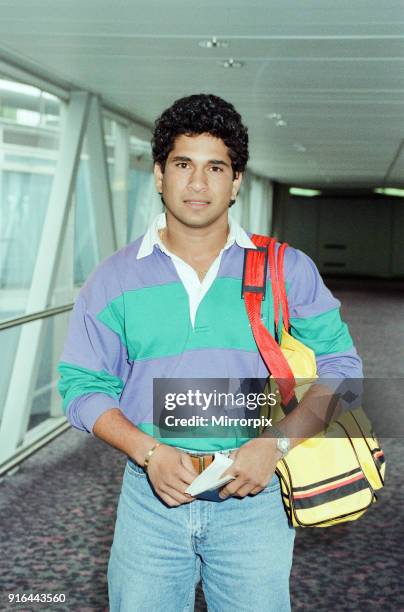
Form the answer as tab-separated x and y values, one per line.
334	71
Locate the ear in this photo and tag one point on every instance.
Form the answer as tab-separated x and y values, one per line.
158	177
236	185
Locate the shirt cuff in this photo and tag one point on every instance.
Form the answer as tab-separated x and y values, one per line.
83	411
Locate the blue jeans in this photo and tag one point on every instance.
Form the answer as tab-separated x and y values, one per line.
241	549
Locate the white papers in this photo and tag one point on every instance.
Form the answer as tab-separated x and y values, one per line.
211	478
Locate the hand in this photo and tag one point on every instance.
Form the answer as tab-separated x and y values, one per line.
254	465
170	471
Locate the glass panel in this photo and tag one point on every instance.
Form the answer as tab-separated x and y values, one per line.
29	142
144	202
109	126
140	186
24	201
46	401
85	239
8	347
27	105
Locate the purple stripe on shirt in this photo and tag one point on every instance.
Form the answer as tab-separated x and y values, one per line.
136	400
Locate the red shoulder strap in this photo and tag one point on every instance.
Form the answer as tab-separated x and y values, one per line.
282	286
253	291
278	285
274	284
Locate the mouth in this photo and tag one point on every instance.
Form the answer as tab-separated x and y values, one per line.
197	203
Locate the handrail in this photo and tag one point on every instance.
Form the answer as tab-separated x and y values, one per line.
41	314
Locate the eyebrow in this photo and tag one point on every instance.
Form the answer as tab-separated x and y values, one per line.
216	162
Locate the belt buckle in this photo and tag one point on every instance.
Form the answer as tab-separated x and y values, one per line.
201	462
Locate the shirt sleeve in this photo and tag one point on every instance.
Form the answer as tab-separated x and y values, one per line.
93	367
315	320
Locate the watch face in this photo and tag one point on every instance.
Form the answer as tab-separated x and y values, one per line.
283	444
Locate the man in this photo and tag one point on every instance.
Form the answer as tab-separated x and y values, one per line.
168	306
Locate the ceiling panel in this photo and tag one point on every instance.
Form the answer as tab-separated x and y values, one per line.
274	49
334	71
237	18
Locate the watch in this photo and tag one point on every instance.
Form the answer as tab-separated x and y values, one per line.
282	443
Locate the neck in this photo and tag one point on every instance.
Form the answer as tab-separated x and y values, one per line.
195	242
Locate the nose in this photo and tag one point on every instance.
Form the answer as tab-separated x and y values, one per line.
197	180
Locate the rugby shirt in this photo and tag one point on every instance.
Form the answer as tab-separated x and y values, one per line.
131	323
195	288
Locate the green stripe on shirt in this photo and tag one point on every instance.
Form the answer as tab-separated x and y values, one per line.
165	308
76	381
324	333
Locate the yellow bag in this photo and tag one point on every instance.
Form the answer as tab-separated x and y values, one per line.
331	477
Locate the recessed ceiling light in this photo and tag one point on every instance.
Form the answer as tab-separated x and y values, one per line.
281	123
273	116
308	193
393	191
231	63
299	147
213	43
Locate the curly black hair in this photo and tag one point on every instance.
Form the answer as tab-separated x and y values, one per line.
199	114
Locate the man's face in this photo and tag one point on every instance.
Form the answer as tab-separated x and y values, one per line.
197	184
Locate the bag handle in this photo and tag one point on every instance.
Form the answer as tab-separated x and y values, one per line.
253	291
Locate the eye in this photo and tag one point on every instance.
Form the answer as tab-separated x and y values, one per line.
182	165
216	169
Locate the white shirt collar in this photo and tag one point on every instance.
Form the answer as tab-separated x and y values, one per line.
151	237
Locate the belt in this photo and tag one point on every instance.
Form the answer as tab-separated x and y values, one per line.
200	462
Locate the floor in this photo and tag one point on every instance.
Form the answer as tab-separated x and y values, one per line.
58	509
